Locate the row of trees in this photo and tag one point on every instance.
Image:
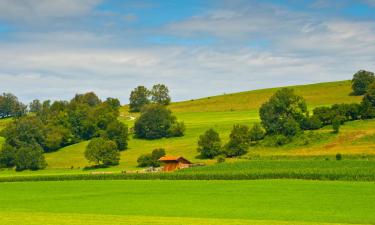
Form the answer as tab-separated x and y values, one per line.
58	124
141	96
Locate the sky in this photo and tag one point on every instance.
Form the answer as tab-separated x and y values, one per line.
53	49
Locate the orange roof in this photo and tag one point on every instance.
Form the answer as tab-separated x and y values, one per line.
173	158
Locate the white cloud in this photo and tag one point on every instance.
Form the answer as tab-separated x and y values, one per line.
40	10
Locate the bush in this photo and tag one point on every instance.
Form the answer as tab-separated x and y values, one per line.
152	159
209	144
256	133
102	152
220	159
30	157
176	130
312	123
275	140
338	156
239	141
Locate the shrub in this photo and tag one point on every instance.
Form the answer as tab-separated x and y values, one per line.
30	157
176	130
238	143
220	159
102	152
151	159
256	133
312	123
209	144
275	140
338	156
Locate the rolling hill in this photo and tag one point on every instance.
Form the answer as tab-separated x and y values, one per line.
221	112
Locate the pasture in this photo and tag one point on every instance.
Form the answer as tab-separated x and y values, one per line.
188	202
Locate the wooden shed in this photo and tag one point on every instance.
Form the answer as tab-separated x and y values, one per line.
172	163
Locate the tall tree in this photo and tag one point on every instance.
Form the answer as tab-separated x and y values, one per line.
160	94
361	80
209	144
284	113
139	97
35	106
10	106
239	141
102	152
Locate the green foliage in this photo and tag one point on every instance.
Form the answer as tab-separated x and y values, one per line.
312	123
156	122
35	106
89	98
139	98
256	133
336	123
209	144
117	132
152	159
275	140
102	152
284	113
160	94
29	157
368	103
220	159
7	156
361	80
11	107
338	156
239	141
177	130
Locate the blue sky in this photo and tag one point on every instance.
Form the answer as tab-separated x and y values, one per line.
54	49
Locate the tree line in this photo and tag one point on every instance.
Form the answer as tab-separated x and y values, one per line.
52	126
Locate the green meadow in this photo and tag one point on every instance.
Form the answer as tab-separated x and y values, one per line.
187	202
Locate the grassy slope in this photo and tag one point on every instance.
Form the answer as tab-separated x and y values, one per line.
221	112
156	202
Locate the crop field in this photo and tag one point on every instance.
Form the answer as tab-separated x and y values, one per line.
188	202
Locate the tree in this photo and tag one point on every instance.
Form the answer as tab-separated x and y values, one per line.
35	106
117	132
89	98
361	80
29	157
256	133
238	143
283	111
336	123
11	107
367	107
151	160
209	144
154	122
160	94
139	97
102	152
114	103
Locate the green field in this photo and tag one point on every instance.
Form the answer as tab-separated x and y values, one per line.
220	113
187	202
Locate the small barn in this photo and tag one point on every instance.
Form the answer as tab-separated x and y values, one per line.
173	163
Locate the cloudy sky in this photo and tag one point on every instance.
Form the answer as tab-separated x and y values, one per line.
56	48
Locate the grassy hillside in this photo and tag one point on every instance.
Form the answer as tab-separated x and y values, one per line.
187	202
315	95
221	112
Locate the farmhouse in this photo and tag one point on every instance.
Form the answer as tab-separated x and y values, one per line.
172	163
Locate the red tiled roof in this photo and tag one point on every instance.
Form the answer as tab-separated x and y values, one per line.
173	158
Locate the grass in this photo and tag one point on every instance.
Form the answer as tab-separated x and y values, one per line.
196	202
220	113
